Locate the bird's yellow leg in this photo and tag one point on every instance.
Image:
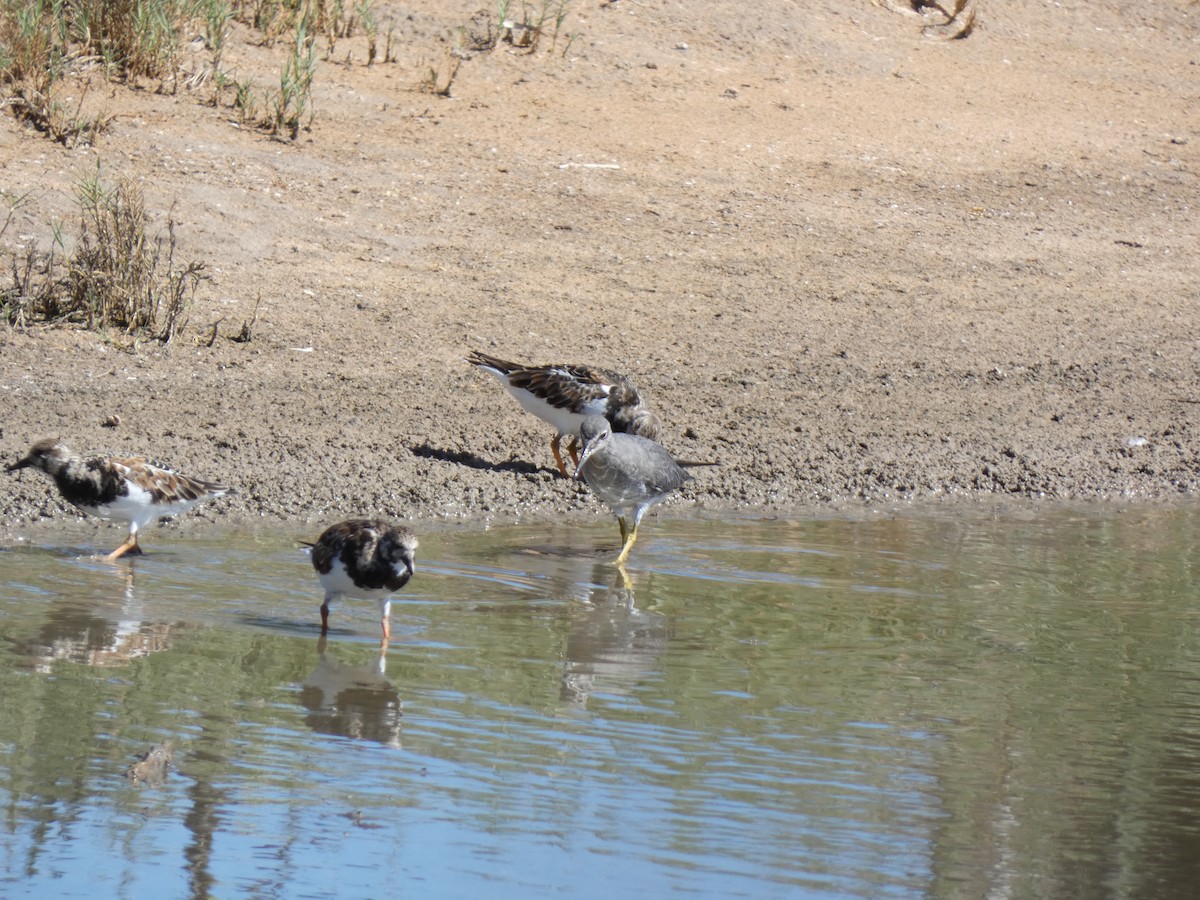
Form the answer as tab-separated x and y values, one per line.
573	449
626	583
629	539
562	467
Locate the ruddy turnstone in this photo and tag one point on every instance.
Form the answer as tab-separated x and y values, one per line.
127	489
364	558
629	473
565	395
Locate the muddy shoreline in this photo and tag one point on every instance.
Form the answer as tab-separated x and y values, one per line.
827	258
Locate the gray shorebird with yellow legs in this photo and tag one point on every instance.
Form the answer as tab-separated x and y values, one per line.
629	473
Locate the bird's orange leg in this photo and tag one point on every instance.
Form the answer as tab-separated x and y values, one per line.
130	546
562	468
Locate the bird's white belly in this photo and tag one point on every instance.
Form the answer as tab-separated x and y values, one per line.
138	506
566	421
338	581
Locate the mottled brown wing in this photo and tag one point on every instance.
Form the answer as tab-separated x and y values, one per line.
164	484
565	387
329	545
352	541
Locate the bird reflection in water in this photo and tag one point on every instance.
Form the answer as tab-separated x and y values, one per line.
110	630
612	645
355	701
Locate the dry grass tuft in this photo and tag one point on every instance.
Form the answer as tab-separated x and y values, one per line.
117	278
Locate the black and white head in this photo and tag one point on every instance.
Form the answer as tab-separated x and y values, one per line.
627	413
398	547
50	455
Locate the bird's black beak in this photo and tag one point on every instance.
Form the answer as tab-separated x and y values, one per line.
412	569
18	465
587	451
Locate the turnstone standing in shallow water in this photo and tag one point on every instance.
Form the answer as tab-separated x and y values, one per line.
127	489
565	395
365	558
629	473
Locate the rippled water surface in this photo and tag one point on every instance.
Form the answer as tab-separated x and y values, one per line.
904	705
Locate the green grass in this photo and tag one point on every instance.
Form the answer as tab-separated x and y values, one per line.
51	49
528	23
46	45
294	98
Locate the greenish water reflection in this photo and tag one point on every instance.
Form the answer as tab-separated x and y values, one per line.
915	705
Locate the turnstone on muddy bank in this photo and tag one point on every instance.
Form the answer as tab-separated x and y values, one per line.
629	473
125	489
564	395
364	558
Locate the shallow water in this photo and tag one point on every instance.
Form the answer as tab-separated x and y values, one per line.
910	705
